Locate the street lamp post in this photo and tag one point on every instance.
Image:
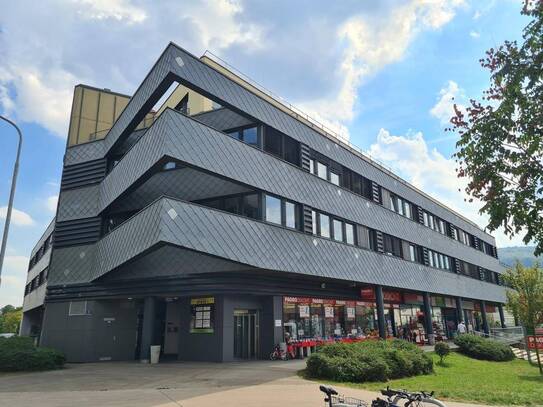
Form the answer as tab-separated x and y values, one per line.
11	195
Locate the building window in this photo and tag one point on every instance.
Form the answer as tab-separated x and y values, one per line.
338	230
273	209
78	308
312	166
322	170
314	222
392	245
334	178
412	253
292	150
324	223
250	136
290	215
250	206
349	233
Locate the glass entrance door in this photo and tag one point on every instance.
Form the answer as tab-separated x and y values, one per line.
246	334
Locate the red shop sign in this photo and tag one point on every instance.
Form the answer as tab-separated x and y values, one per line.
410	298
367	294
535	341
392	296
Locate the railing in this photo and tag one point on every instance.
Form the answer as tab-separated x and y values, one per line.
509	336
312	122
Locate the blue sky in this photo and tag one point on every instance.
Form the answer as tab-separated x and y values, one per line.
381	73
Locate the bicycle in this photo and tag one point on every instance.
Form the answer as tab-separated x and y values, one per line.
335	400
413	399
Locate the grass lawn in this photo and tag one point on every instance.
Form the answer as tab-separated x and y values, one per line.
465	379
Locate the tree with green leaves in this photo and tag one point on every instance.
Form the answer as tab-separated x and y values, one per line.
525	300
500	149
10	319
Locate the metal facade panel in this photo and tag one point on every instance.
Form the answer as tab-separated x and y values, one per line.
270	247
190	70
178	136
186	183
84	152
71	265
206	78
79	203
171	261
222	119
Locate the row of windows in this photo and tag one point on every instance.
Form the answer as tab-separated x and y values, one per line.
330	227
40	252
438	260
37	281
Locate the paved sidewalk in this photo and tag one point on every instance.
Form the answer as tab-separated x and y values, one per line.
250	384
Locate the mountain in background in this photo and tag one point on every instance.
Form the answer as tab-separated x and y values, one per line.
525	254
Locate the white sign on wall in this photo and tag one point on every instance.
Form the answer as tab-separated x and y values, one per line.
304	311
329	312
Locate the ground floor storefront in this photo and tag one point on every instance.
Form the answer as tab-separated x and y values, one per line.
220	327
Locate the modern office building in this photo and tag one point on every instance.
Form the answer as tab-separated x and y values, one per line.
204	215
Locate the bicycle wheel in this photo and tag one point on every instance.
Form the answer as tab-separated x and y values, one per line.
425	402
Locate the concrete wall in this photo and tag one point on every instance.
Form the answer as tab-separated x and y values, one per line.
107	332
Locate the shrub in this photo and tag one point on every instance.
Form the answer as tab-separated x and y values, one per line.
368	361
483	348
442	349
20	354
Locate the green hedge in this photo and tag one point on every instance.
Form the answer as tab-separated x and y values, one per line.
368	361
482	348
19	354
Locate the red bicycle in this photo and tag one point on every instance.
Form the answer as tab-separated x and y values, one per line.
280	354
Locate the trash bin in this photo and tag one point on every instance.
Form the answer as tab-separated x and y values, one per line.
155	354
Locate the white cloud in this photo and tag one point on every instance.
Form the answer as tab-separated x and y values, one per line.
476	15
474	34
410	157
105	43
115	9
372	43
13	280
448	96
18	217
51	203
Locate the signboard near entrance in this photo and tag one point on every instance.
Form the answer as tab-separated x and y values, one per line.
535	342
202	313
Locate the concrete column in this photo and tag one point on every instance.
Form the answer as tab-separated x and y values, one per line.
380	311
459	309
428	318
148	327
502	316
483	317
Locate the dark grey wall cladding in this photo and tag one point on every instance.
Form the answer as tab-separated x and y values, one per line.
265	246
106	333
169	261
72	264
84	152
79	203
206	78
190	70
178	136
222	119
186	183
82	174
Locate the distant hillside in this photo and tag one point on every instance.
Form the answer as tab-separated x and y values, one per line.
525	254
